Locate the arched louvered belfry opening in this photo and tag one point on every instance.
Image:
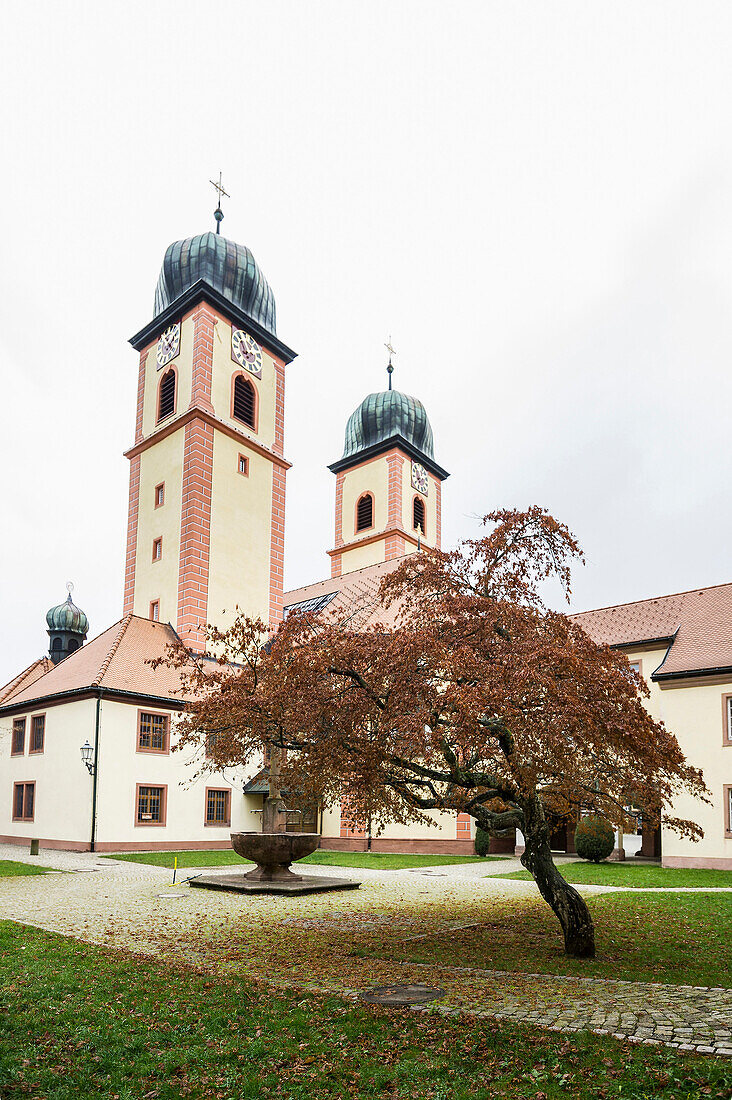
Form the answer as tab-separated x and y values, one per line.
166	394
365	512
244	402
418	514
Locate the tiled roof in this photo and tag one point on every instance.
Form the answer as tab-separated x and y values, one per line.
116	660
25	678
356	595
627	623
697	623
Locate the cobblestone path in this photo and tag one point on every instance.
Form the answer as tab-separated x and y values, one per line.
683	1016
125	901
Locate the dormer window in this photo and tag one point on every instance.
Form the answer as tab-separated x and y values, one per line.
365	512
245	401
418	514
166	395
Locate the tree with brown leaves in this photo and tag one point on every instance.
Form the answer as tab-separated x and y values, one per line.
480	700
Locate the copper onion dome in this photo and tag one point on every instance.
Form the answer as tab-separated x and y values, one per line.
226	266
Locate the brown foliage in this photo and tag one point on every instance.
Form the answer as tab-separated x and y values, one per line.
481	699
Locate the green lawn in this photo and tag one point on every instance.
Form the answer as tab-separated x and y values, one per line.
678	938
636	875
9	867
79	1022
377	861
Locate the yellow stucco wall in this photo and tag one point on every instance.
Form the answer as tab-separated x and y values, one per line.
224	367
361	556
430	505
121	768
241	520
183	364
371	477
63	785
694	713
159	580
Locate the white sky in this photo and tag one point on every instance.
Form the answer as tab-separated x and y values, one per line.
533	198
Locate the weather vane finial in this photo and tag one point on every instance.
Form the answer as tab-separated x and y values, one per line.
390	368
218	212
69	589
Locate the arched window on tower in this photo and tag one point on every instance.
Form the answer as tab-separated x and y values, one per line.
166	395
245	402
418	514
365	512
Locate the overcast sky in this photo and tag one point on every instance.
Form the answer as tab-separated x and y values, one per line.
533	198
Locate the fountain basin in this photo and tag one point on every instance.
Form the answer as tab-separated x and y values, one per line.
273	853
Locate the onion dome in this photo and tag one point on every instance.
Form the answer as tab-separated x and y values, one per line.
382	416
226	266
67	617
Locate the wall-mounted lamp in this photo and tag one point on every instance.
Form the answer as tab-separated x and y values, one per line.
87	752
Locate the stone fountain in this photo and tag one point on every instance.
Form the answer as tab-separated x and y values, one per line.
273	851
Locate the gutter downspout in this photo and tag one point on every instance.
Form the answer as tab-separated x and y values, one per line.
92	845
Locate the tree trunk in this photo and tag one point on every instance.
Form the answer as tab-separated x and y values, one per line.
568	906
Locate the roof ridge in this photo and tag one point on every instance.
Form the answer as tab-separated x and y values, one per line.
649	600
352	573
15	684
124	623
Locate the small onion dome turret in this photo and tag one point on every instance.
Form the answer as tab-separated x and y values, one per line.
226	266
67	617
381	416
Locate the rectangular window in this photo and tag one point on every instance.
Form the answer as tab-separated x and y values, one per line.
155	611
24	797
728	811
152	732
243	466
157	549
218	807
151	805
18	746
38	732
727	719
160	494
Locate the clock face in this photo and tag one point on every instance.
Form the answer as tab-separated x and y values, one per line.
420	481
246	352
168	345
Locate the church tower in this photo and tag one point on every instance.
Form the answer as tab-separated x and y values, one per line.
388	485
207	468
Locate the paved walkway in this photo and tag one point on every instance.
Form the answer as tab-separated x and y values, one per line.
131	905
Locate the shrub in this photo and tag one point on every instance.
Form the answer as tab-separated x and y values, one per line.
482	842
594	838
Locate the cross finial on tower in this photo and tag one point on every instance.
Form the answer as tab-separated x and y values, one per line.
218	212
390	368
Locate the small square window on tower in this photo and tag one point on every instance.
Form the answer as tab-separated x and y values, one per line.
155	611
157	549
160	494
243	466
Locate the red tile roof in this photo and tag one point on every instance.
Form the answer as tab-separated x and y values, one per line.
698	625
116	660
27	677
356	594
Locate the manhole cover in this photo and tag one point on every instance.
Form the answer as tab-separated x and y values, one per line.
401	995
